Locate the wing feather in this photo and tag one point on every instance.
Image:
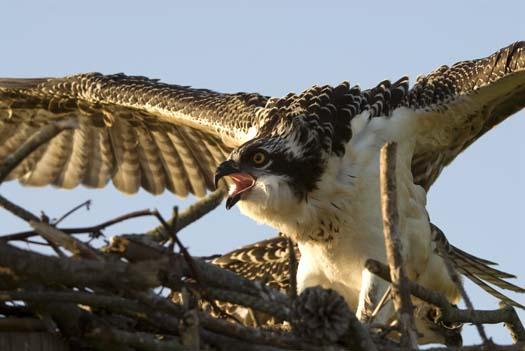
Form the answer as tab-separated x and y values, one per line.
74	169
133	130
123	141
192	169
177	179
99	168
47	169
454	106
152	170
476	269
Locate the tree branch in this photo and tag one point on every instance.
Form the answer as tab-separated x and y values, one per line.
400	291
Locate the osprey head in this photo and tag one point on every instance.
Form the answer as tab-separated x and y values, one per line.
272	171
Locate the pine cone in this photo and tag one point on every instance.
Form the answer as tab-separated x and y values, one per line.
321	315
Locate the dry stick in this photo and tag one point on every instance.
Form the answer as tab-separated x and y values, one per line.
189	215
258	336
139	247
400	290
189	326
232	297
80	230
86	204
77	297
39	138
171	230
17	210
450	313
69	271
68	242
513	323
146	274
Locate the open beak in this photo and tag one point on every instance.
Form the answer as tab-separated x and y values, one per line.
242	181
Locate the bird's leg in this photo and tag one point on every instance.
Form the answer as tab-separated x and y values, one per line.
373	289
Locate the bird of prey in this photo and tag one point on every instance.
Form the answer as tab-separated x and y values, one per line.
305	164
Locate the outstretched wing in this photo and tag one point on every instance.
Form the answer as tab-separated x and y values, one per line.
456	105
136	131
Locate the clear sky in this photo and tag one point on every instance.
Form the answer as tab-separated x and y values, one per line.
275	49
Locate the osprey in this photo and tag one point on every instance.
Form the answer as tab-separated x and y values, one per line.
305	164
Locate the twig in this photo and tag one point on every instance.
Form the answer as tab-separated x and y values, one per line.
77	297
450	313
85	204
139	247
17	211
513	323
189	326
257	336
25	264
79	230
171	230
190	215
400	292
39	138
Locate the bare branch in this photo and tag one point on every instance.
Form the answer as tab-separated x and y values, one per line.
450	313
513	323
85	204
400	291
62	239
17	211
190	215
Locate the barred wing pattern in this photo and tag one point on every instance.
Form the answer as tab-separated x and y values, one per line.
456	105
267	261
136	131
143	133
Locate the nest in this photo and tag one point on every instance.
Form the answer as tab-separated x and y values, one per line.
144	292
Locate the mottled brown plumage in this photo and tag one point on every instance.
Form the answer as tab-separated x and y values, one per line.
140	132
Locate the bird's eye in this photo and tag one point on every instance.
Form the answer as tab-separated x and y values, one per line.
259	158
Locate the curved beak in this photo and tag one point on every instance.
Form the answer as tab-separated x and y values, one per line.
225	168
242	181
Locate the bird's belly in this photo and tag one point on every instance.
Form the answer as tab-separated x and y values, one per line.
339	265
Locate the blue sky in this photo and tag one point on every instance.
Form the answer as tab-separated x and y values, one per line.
274	49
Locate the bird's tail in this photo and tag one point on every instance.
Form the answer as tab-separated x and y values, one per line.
479	270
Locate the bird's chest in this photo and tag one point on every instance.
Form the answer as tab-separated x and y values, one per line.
348	230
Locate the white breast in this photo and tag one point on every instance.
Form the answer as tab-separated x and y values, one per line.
334	257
